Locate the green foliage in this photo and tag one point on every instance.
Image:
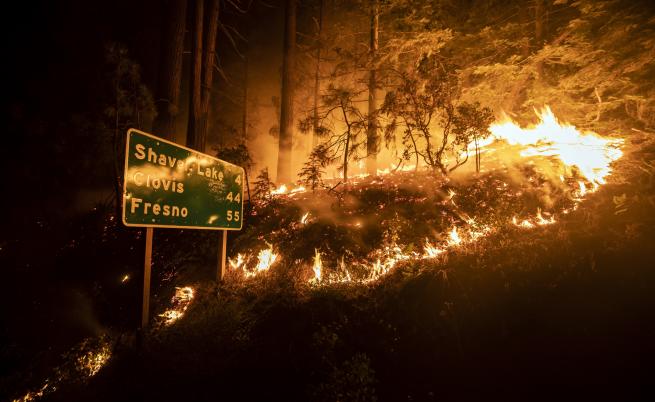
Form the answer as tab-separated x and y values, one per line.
263	186
312	172
238	155
132	104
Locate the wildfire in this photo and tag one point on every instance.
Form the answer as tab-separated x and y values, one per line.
588	152
581	160
181	301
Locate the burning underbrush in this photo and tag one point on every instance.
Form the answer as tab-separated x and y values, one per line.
359	231
375	224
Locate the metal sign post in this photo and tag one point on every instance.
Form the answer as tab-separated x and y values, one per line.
147	264
222	255
167	185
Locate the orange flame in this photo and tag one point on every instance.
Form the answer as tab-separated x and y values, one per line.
590	153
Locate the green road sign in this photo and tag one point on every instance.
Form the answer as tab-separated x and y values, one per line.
168	185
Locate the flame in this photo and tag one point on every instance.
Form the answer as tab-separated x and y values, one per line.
236	264
431	251
303	220
265	259
280	190
318	266
342	267
523	224
539	220
283	189
181	300
590	153
583	188
453	237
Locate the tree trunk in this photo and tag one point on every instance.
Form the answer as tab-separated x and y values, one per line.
244	116
209	56
196	75
539	15
202	72
372	131
319	32
170	75
524	19
286	101
478	157
118	186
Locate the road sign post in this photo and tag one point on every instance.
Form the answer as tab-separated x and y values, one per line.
147	264
167	185
222	256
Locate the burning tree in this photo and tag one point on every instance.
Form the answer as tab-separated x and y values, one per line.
426	100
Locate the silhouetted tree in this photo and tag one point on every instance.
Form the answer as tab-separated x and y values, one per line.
170	74
286	99
203	57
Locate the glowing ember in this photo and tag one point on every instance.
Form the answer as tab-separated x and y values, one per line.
590	153
303	220
91	363
125	278
431	251
88	358
181	301
523	224
543	221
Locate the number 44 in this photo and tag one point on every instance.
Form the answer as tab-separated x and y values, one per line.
236	198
